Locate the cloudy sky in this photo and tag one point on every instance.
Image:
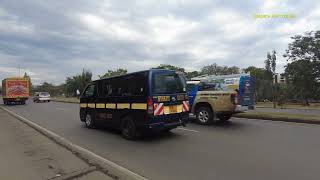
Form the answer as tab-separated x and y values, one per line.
51	40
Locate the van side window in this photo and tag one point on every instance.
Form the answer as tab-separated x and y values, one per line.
104	88
136	85
89	91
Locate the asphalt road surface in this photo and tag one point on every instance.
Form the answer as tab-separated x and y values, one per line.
242	149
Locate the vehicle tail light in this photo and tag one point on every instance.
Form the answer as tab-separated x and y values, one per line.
235	98
149	105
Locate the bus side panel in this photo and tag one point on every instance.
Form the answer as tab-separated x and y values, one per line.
246	91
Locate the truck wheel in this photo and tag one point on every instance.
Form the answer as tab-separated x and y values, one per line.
89	121
224	117
128	129
204	115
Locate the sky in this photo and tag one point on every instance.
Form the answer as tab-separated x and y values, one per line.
51	40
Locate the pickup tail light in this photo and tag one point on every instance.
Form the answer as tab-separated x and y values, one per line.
235	98
149	105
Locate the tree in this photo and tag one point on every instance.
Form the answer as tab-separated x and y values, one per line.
170	67
28	77
111	73
300	74
79	81
192	74
273	61
263	82
214	69
267	62
303	71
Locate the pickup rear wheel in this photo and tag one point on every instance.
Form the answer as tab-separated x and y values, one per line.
204	115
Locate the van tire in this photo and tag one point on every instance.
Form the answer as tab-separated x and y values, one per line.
204	115
128	129
89	121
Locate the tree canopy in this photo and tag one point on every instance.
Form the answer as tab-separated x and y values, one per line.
303	69
79	81
111	73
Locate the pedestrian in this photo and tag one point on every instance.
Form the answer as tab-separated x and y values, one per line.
78	93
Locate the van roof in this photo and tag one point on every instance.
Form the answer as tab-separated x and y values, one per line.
153	70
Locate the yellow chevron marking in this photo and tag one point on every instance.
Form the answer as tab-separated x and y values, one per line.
91	105
123	106
83	105
179	108
100	105
142	106
110	106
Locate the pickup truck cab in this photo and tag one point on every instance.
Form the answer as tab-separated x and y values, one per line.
210	103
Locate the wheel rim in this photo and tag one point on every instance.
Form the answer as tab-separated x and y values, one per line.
126	129
88	120
203	116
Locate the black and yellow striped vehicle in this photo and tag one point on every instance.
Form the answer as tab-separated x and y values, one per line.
152	100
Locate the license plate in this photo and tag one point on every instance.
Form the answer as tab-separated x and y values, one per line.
173	109
163	98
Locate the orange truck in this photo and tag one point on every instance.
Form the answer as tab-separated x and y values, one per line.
15	90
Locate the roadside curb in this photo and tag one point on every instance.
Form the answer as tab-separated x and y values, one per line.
110	168
279	119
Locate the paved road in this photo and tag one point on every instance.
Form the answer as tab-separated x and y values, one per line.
243	149
315	112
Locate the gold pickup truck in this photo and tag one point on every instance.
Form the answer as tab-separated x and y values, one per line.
210	103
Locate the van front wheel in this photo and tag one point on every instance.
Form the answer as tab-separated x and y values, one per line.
129	130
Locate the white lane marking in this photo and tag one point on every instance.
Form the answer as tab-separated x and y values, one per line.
185	129
66	143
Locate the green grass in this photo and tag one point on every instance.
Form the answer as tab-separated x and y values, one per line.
288	105
280	116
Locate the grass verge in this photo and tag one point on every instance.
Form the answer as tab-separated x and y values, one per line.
299	118
66	100
288	106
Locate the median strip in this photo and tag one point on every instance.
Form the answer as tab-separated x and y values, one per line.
297	118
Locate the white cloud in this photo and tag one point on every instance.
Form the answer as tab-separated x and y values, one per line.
53	40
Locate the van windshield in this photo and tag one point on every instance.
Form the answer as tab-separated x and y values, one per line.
168	83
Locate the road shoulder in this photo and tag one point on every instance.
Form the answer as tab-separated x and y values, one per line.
27	154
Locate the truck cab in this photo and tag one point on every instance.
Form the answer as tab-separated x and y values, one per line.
210	102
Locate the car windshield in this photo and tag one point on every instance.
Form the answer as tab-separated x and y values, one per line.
44	94
167	83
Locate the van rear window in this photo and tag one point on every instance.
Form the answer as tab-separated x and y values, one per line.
168	83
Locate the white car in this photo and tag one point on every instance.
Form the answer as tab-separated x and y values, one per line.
41	97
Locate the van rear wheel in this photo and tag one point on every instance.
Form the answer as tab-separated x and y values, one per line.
129	130
89	121
204	115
